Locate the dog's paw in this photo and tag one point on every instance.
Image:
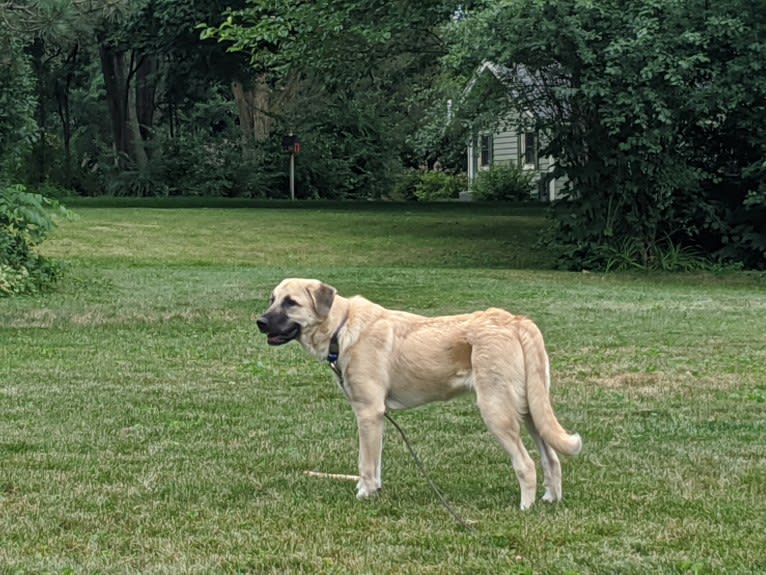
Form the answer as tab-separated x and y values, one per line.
551	497
365	490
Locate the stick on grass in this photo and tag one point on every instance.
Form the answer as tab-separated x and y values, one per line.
341	476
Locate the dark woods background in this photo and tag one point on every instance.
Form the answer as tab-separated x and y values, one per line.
655	110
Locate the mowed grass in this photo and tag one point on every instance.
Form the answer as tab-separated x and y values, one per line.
329	235
145	426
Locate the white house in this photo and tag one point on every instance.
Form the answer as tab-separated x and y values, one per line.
511	143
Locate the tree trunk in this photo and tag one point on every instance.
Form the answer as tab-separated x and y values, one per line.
138	155
115	77
64	110
245	110
146	86
261	107
253	105
119	72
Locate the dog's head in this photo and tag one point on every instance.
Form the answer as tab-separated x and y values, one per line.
296	304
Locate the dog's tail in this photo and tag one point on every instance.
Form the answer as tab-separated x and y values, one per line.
538	397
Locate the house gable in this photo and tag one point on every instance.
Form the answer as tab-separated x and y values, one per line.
510	143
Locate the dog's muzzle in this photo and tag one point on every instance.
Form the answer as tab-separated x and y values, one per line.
278	332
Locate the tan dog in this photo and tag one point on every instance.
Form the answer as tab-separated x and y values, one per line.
394	360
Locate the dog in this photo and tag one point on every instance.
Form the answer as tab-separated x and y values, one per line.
387	360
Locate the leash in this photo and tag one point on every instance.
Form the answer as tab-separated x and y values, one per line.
332	360
443	500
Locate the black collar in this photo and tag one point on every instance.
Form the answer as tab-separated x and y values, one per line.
334	351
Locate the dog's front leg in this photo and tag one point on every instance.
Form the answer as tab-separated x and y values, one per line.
369	420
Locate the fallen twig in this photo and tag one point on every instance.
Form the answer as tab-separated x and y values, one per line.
331	475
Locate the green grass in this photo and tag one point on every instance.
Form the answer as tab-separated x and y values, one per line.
146	427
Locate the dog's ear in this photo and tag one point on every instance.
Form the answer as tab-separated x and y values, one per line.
322	298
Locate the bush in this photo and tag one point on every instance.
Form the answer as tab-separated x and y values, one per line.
628	255
405	185
417	185
503	183
439	186
25	221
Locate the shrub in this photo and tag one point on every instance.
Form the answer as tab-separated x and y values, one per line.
628	254
503	183
25	221
404	185
192	165
439	186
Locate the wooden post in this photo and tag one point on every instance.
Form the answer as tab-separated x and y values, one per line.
291	144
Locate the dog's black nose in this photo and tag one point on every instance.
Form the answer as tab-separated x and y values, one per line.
263	324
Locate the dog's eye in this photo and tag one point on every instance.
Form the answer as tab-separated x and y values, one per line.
289	302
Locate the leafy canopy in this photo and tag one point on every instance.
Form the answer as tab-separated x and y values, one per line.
653	109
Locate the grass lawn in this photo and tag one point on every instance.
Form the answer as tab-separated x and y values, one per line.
146	427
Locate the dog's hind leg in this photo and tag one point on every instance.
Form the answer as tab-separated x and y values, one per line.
503	421
550	462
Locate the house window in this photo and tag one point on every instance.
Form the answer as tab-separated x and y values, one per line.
528	147
485	146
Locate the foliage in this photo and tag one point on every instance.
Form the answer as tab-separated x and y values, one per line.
296	35
439	186
636	102
361	65
132	101
627	255
653	109
25	221
504	183
405	185
435	139
348	149
17	104
422	185
191	166
116	82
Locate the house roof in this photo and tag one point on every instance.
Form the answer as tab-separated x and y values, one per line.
502	73
522	83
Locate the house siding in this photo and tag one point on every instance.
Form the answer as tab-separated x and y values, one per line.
506	151
506	148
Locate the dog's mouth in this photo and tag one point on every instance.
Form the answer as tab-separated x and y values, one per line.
282	338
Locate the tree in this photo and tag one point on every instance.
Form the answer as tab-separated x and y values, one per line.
637	104
17	105
52	33
145	57
349	69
